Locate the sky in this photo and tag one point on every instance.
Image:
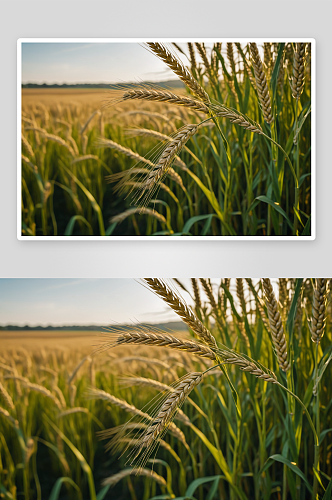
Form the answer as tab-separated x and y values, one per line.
90	63
66	301
85	301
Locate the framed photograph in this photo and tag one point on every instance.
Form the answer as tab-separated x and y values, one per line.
131	139
213	372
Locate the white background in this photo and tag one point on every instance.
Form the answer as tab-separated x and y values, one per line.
158	18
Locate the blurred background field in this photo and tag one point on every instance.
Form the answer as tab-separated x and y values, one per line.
66	157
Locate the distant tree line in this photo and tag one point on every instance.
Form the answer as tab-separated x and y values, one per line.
174	325
168	83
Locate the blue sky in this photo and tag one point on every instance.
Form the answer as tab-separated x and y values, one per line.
90	63
59	301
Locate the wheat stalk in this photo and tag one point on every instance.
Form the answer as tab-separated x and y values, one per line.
6	397
276	328
319	303
261	83
177	67
299	60
160	288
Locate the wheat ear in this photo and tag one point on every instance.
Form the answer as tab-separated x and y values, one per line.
276	328
230	56
142	211
177	67
80	364
192	56
261	83
112	480
267	57
160	288
259	305
165	96
240	296
198	303
161	340
319	310
27	146
41	389
159	386
209	292
54	138
168	409
8	400
298	70
8	417
77	409
93	393
235	117
248	365
107	143
165	160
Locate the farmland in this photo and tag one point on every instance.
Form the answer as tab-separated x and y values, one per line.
159	161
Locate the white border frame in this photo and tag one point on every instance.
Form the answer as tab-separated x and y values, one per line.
166	238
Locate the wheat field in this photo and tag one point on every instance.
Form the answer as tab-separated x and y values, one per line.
229	154
237	407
